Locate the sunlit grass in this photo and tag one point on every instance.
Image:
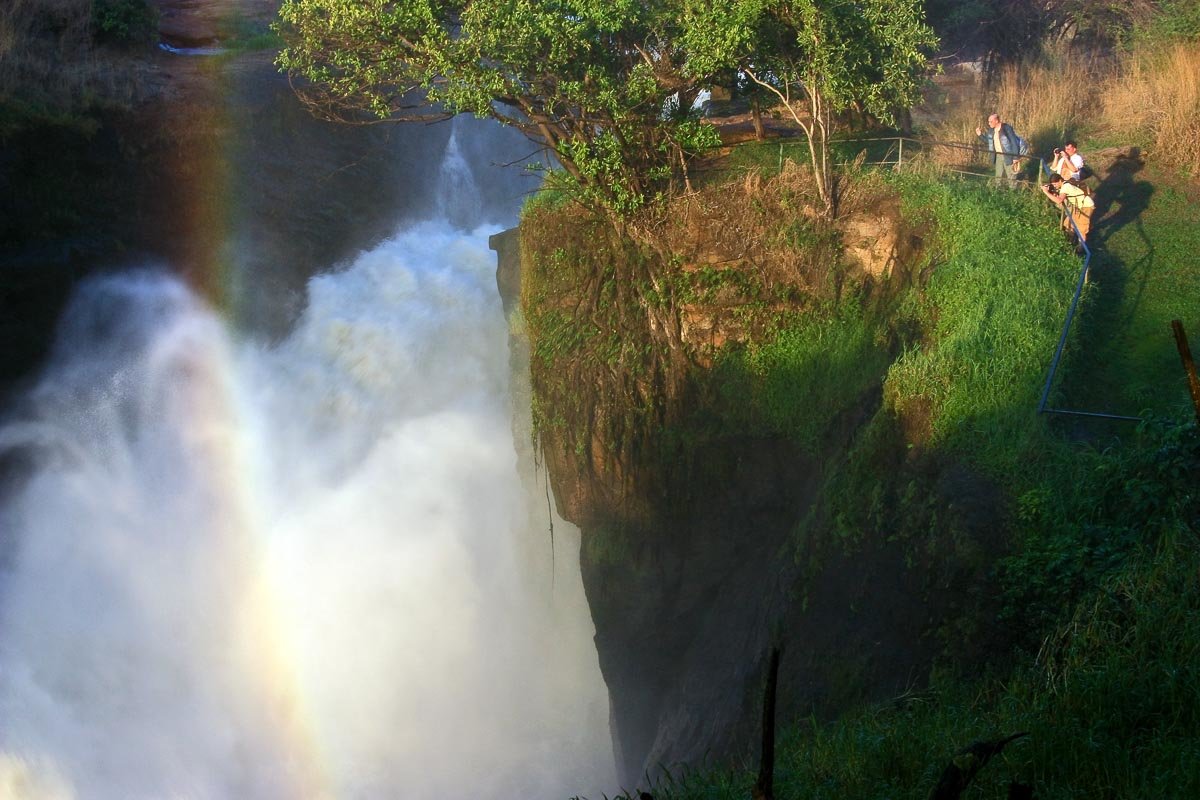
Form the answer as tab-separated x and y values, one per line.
992	311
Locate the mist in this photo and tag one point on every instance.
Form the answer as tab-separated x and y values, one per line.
307	569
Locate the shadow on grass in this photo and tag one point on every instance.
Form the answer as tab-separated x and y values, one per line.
1119	287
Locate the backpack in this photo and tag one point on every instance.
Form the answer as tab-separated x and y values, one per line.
1079	184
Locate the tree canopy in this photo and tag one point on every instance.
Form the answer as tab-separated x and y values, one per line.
602	83
607	85
819	57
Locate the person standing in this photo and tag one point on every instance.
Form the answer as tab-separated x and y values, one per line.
1005	146
1068	162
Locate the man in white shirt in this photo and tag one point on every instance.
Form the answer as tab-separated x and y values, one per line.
1068	162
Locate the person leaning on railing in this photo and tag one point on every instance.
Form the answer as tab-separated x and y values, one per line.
1076	202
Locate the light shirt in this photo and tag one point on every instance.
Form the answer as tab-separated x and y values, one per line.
1068	166
1075	197
996	139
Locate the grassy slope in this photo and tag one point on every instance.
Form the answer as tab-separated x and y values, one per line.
1111	711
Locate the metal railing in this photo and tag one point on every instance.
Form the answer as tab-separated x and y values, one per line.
902	150
1062	340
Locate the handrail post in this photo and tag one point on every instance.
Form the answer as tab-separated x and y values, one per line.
1189	366
900	153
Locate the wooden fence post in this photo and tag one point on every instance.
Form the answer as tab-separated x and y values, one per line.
1189	366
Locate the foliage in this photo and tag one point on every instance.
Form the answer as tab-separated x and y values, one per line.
1174	20
608	87
1080	523
603	85
1006	32
124	21
583	293
818	57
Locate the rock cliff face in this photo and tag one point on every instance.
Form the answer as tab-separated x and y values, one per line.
693	570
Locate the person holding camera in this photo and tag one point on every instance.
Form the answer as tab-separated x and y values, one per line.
1067	162
1076	202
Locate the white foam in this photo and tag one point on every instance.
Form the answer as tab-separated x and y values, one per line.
241	571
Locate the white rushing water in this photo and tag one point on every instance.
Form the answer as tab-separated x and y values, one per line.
309	570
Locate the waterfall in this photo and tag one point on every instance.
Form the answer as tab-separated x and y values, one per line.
234	570
458	200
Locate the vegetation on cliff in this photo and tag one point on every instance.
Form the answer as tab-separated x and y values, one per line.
1056	552
1109	705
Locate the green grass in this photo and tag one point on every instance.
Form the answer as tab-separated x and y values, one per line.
803	375
992	311
764	158
1147	237
242	34
991	315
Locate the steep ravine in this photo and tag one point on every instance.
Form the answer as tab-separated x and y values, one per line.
691	586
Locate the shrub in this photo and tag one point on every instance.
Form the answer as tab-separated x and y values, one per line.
124	21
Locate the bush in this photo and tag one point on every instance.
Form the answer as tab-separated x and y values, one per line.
124	21
1176	19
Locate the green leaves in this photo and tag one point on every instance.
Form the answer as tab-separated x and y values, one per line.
608	85
593	80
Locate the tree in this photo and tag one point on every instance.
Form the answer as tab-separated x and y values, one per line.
818	57
601	83
607	85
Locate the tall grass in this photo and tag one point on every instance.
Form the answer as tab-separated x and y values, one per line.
1050	100
1157	96
1046	101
